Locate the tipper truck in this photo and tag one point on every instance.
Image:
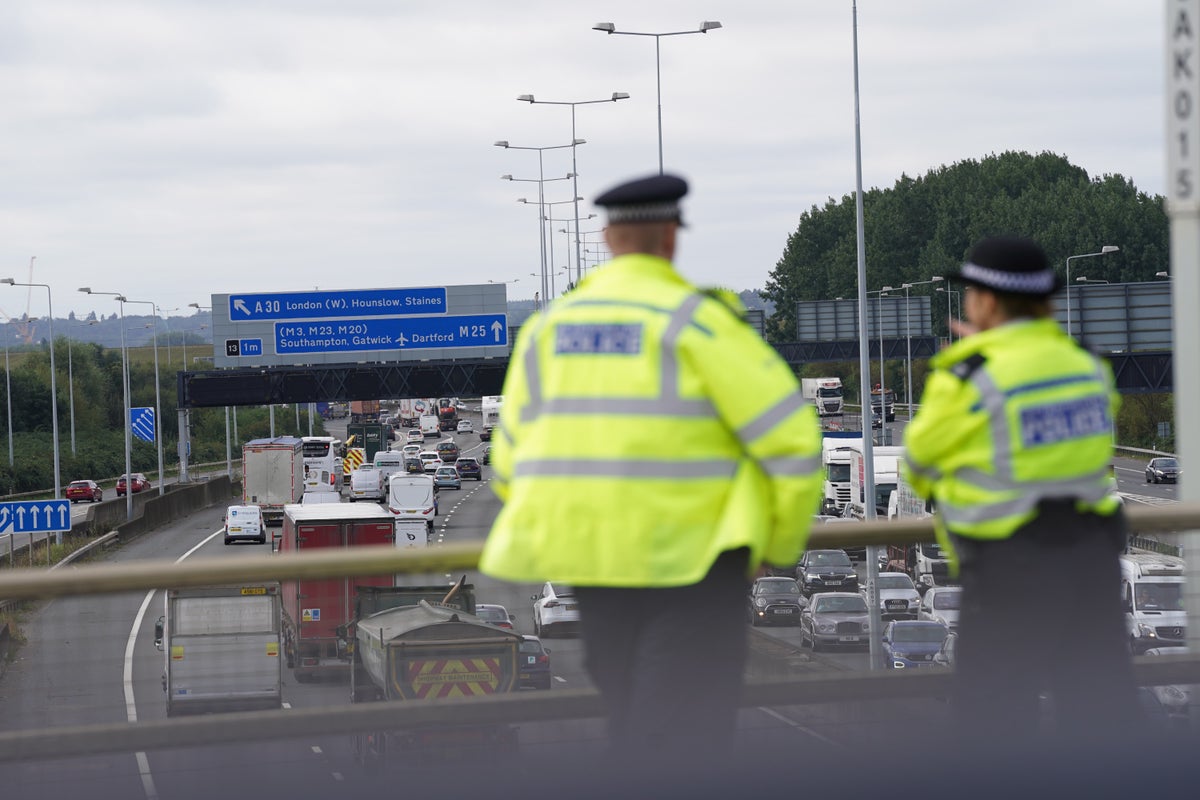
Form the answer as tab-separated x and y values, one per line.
272	475
221	648
825	394
417	643
313	608
447	413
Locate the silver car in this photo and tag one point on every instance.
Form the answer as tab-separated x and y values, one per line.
897	596
835	618
941	604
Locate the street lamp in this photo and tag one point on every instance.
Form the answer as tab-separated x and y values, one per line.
908	338
546	218
1089	280
514	280
540	180
1166	275
53	385
610	28
8	396
528	98
157	402
125	389
1105	250
950	295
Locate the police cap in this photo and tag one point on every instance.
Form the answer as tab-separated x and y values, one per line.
652	199
1009	265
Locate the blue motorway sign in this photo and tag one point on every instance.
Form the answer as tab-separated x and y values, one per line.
326	305
468	330
141	423
35	516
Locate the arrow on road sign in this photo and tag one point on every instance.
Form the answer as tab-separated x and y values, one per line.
35	516
240	305
141	421
497	328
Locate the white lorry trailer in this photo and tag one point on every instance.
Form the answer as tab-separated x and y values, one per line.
221	648
489	406
887	476
924	562
825	394
272	475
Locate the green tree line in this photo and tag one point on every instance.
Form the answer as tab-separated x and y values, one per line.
924	226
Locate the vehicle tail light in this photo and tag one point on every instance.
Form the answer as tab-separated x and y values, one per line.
552	604
543	659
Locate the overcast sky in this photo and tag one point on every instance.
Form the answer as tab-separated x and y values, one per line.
172	149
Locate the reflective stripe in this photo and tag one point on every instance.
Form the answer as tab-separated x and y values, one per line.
625	468
1069	487
669	365
635	304
533	376
504	432
993	403
787	466
932	473
770	418
1022	504
629	406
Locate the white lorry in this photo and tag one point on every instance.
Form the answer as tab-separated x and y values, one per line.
835	463
489	406
887	476
220	648
1152	596
272	475
825	394
925	562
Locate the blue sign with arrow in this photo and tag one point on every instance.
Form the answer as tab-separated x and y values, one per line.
336	305
35	516
468	330
141	422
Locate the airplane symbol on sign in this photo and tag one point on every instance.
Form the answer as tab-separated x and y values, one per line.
401	341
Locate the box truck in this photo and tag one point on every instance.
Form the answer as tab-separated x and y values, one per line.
272	475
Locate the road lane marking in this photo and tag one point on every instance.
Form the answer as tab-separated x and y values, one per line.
130	704
791	723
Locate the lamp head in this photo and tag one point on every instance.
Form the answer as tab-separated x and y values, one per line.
937	279
709	25
579	141
620	96
9	281
506	177
121	298
502	143
194	305
607	27
85	289
1109	248
526	98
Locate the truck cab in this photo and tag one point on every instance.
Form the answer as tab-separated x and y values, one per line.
1152	598
835	463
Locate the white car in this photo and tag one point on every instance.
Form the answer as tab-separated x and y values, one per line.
415	435
244	523
941	604
431	460
464	426
555	610
411	450
898	597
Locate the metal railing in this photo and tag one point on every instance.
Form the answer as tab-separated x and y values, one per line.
145	575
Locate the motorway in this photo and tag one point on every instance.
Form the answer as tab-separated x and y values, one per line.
92	660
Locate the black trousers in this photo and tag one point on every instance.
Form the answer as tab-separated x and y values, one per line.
1042	610
669	663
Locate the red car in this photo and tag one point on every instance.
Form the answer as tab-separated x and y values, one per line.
84	490
138	484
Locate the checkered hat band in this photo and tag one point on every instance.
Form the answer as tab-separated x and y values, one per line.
646	212
1018	282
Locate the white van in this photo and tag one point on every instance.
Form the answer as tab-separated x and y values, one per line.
412	497
244	523
388	463
367	483
320	498
430	426
1152	596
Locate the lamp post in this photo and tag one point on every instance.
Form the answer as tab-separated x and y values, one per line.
541	179
950	295
157	400
546	218
528	98
163	312
880	294
908	396
71	387
125	390
8	396
1105	250
53	384
610	28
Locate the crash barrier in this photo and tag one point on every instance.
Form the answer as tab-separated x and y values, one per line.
109	484
72	741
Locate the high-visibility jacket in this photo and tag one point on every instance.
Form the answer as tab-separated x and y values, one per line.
1010	417
646	429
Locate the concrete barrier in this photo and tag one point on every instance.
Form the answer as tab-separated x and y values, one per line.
182	499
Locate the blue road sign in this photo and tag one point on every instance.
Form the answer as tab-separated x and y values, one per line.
141	422
235	348
35	516
468	330
337	305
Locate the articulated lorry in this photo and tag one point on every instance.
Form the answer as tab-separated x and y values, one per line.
221	648
424	642
887	476
825	394
272	475
313	608
836	448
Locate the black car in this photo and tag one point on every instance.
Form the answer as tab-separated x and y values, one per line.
826	571
468	468
1162	470
535	663
774	601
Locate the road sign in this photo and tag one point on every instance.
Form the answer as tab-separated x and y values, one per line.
35	516
420	333
238	348
337	305
141	422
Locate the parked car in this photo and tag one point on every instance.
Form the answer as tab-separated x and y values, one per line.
1162	470
78	491
897	595
487	455
464	426
911	643
469	468
555	609
245	523
826	570
446	478
534	663
494	615
942	604
835	618
138	483
774	601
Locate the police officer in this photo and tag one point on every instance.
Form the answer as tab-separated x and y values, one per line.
652	451
1013	441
